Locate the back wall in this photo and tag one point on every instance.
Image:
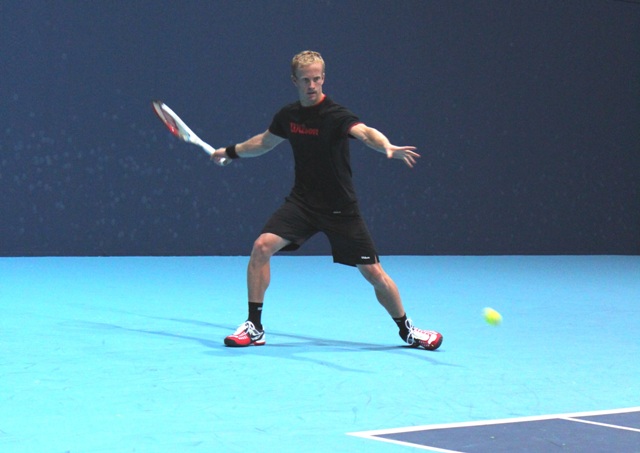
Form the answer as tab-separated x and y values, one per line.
526	113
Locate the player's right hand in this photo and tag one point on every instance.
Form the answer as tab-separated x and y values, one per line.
219	157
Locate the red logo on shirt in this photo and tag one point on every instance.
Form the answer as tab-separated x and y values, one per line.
303	130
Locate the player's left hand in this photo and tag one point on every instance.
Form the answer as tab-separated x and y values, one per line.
404	153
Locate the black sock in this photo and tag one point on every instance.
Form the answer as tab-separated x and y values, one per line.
255	314
402	325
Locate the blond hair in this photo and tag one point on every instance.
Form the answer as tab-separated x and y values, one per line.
305	58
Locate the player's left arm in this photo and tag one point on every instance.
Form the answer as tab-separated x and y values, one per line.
375	139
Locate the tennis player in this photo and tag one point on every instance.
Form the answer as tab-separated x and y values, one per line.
322	199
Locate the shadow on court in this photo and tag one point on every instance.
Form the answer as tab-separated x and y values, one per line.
279	345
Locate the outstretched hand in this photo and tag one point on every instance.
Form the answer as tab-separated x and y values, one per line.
404	153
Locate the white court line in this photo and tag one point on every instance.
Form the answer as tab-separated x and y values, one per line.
372	435
407	444
606	425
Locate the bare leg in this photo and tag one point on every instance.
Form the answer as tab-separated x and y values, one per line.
259	269
385	288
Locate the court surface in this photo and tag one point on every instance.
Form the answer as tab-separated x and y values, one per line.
125	355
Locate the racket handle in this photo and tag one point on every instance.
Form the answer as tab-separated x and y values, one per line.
209	150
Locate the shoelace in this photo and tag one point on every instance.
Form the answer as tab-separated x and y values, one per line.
244	327
250	329
409	325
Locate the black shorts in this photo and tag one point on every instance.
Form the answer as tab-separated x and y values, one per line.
351	243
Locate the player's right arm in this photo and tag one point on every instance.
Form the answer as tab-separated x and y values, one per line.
255	146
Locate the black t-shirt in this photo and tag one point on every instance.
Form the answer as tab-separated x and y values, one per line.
319	137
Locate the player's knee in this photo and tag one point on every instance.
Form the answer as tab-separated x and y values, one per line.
262	248
374	274
259	249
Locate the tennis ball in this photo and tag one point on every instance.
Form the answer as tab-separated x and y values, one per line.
491	316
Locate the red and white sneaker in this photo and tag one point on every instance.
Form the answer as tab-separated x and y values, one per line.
246	335
418	338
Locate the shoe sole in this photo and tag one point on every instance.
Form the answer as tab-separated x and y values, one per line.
431	347
233	344
437	344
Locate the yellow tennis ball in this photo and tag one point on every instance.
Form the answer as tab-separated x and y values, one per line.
491	316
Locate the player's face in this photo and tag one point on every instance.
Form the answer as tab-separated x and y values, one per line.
308	80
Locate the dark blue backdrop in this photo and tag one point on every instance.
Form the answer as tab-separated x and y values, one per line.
527	115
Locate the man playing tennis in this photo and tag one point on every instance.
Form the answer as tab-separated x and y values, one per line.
322	199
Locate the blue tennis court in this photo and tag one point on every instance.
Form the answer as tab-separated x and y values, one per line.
126	354
599	431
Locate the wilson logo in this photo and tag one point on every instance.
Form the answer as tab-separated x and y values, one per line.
303	130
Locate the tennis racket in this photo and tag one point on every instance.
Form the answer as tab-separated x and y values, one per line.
181	130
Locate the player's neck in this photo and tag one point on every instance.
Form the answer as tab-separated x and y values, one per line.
322	98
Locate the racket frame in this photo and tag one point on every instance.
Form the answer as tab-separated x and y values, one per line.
180	129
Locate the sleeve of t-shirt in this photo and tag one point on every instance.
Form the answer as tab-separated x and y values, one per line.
346	120
278	124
